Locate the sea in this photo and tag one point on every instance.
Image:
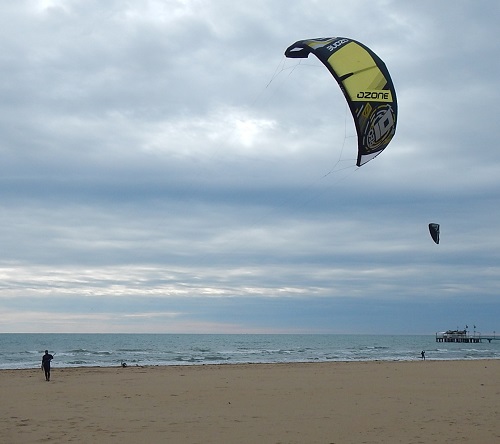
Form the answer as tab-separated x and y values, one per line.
24	351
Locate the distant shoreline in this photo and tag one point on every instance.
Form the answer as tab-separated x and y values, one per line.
225	364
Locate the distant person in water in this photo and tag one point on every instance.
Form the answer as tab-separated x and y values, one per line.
46	358
423	355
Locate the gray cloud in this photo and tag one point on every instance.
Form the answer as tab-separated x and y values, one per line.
164	168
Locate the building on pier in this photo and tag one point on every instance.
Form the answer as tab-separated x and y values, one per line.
463	336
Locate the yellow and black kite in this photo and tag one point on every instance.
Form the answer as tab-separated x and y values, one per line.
366	84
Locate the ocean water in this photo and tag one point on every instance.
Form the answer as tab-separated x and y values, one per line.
109	350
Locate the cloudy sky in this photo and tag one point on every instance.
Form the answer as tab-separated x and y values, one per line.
164	168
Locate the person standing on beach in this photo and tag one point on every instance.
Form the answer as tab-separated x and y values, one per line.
46	358
423	355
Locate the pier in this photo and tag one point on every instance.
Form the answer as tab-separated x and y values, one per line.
464	336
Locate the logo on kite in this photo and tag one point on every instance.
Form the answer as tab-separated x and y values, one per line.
434	231
367	87
379	130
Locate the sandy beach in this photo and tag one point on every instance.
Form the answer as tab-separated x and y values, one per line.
355	402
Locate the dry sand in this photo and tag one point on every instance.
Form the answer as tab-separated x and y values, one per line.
356	402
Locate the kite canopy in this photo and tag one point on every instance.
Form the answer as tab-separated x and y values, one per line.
367	87
434	230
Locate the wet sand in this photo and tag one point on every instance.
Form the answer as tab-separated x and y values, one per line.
355	402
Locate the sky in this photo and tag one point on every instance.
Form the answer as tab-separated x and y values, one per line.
165	169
